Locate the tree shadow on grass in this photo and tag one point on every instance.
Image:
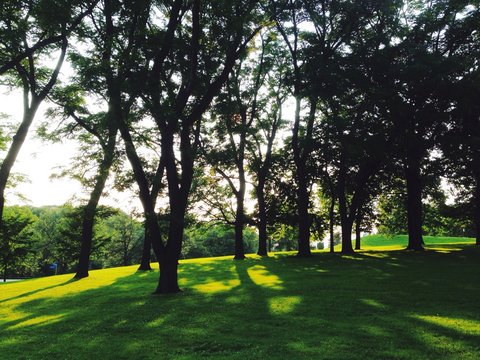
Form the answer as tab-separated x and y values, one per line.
282	308
36	291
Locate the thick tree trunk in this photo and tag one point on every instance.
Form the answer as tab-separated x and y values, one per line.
168	281
414	204
91	208
331	214
262	221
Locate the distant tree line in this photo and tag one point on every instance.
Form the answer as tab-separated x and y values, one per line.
318	112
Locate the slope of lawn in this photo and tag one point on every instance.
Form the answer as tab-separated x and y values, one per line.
401	241
372	305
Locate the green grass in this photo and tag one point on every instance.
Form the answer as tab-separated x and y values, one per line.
401	241
371	305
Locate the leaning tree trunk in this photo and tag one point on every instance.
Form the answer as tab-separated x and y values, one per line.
414	203
18	140
91	208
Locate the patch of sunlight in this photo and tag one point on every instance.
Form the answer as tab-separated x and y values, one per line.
374	330
352	257
373	303
39	320
384	248
375	254
301	347
262	277
237	299
465	326
217	286
156	323
443	249
281	305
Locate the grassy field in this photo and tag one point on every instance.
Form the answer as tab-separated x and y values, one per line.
401	241
372	305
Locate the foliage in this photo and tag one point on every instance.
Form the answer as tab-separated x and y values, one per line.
206	240
16	251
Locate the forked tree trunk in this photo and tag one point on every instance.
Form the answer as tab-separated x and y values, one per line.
414	204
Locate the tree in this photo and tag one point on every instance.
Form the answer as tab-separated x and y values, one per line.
15	239
185	76
29	31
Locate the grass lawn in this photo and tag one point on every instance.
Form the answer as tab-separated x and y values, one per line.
375	304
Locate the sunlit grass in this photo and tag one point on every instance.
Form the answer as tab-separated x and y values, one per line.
375	304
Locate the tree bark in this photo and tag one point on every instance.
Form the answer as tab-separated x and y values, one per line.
262	220
146	252
18	140
331	214
239	220
358	224
91	207
414	203
345	219
477	207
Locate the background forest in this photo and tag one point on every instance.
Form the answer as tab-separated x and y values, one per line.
242	126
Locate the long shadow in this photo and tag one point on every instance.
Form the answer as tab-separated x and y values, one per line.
348	307
33	292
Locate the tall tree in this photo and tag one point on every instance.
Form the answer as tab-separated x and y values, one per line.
29	31
184	76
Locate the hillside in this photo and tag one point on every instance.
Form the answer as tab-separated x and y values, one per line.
372	305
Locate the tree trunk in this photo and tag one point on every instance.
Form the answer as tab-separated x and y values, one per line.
18	140
477	207
147	252
414	204
303	216
239	219
91	208
358	223
262	220
331	214
168	281
346	221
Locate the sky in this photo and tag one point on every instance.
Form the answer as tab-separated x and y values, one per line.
38	160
